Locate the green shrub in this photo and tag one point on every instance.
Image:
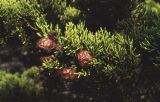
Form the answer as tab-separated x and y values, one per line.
143	27
142	22
59	11
20	88
17	19
110	52
114	59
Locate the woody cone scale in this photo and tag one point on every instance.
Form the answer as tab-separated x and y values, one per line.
67	73
46	44
49	43
84	58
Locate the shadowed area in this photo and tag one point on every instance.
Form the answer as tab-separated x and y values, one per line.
15	57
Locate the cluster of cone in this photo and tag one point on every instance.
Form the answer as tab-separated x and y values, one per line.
68	73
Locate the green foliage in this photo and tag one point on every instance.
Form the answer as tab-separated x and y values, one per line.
72	41
17	19
20	88
70	14
52	63
151	46
58	11
102	45
152	6
20	17
43	26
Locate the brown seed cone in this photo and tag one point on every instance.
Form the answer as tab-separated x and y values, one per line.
53	35
45	58
84	58
46	44
67	73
